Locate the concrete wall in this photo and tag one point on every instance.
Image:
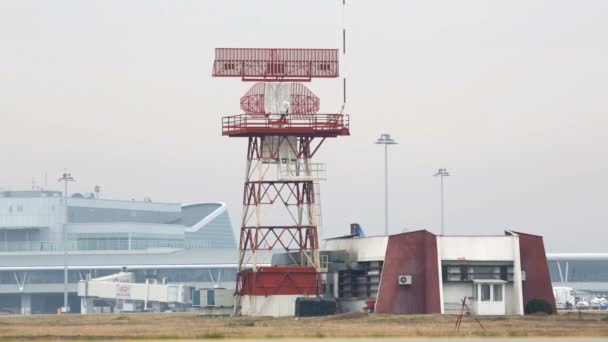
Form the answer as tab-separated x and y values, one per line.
274	306
359	249
478	248
453	293
413	253
534	262
512	306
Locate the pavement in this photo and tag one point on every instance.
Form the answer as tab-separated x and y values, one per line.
453	339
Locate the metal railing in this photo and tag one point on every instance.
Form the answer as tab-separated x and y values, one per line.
299	169
106	245
329	124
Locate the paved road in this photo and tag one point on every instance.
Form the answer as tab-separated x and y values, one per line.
478	339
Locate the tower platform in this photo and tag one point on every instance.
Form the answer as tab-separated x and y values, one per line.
314	125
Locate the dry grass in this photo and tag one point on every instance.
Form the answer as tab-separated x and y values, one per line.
175	326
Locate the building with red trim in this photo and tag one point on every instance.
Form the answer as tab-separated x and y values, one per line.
423	273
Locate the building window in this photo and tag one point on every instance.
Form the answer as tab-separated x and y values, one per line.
485	292
497	292
458	272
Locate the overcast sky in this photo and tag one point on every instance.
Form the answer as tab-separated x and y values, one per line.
510	96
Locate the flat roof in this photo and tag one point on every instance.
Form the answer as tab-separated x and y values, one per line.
577	256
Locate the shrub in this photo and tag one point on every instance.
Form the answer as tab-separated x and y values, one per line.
538	305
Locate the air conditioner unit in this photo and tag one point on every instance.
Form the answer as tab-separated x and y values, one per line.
523	275
405	279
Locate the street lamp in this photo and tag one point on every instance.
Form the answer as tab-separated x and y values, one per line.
385	139
65	178
442	173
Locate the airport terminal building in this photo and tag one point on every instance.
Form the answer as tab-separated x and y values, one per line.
585	273
190	244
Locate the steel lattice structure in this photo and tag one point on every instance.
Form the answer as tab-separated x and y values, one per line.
259	99
278	65
280	196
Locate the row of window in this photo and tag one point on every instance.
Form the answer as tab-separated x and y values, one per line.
91	214
20	208
467	273
579	271
171	275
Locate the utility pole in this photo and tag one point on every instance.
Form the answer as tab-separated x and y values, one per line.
65	178
442	173
385	139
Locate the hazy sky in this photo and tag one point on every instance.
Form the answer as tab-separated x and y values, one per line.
510	96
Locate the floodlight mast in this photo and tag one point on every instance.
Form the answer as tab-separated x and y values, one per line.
442	173
65	178
385	139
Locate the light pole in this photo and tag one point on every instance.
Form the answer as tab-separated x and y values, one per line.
65	178
442	173
385	139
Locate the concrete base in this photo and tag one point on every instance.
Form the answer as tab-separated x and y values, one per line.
274	306
215	311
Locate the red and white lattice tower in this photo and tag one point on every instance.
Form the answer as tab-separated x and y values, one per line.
280	196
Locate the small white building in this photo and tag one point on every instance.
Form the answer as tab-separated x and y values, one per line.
485	269
419	272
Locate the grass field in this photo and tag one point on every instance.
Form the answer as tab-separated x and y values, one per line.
188	326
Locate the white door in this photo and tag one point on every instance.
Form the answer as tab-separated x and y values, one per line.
490	299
